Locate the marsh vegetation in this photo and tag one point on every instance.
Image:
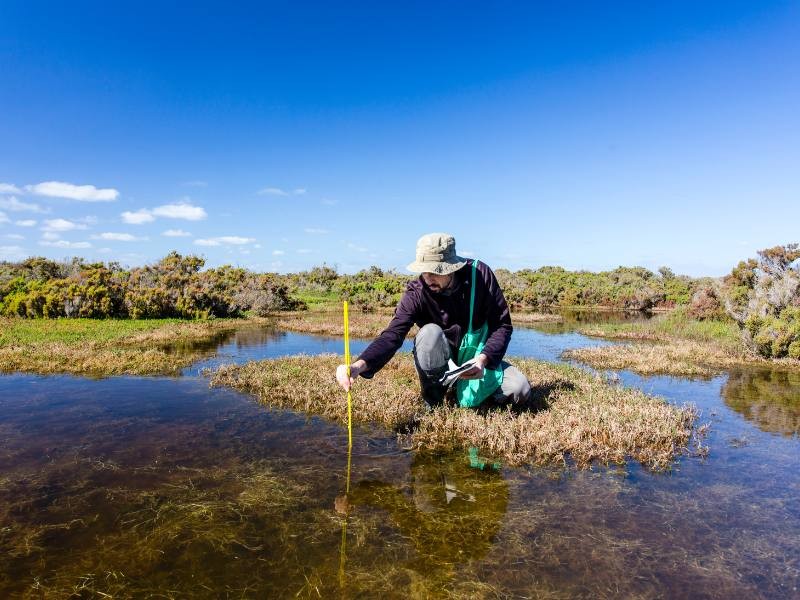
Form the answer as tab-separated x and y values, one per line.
573	415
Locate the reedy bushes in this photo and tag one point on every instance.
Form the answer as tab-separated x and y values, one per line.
175	286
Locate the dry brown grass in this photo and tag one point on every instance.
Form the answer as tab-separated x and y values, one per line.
583	418
673	357
134	353
528	317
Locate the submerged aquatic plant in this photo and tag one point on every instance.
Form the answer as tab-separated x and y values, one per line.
579	414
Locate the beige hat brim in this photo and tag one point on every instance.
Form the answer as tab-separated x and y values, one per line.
444	267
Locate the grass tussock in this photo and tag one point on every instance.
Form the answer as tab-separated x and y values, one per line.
532	317
672	358
582	416
672	344
102	347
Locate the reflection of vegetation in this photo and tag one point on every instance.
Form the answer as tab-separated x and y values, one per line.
450	512
106	347
586	418
769	398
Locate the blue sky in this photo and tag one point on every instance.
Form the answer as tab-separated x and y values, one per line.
279	136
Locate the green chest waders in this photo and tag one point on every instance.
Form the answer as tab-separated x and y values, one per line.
471	392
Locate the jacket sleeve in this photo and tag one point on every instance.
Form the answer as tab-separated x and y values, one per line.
383	348
499	319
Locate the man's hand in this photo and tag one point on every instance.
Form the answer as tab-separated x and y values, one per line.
356	369
477	370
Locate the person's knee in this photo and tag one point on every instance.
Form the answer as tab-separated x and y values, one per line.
516	386
431	331
431	350
522	390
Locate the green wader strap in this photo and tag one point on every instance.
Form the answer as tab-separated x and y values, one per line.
471	392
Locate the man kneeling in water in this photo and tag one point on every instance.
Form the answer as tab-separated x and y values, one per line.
463	316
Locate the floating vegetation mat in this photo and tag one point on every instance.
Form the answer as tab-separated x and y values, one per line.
572	413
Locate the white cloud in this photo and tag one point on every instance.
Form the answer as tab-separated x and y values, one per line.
61	225
315	230
304	251
353	246
329	202
118	237
12	203
274	191
278	253
195	183
12	253
4	218
51	235
13	236
467	253
176	233
138	218
225	240
182	210
9	188
84	193
65	244
25	223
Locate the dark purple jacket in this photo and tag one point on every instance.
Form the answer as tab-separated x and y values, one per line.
420	306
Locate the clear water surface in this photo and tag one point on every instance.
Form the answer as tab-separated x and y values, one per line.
163	487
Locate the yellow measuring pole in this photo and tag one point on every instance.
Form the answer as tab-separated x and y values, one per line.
343	546
349	395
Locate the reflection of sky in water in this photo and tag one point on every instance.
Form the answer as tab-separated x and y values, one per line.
85	457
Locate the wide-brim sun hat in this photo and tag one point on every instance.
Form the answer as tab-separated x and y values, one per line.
436	253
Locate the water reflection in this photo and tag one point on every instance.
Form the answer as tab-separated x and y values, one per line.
768	398
573	320
139	487
449	511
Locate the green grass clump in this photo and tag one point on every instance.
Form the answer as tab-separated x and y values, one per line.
675	325
103	347
16	331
